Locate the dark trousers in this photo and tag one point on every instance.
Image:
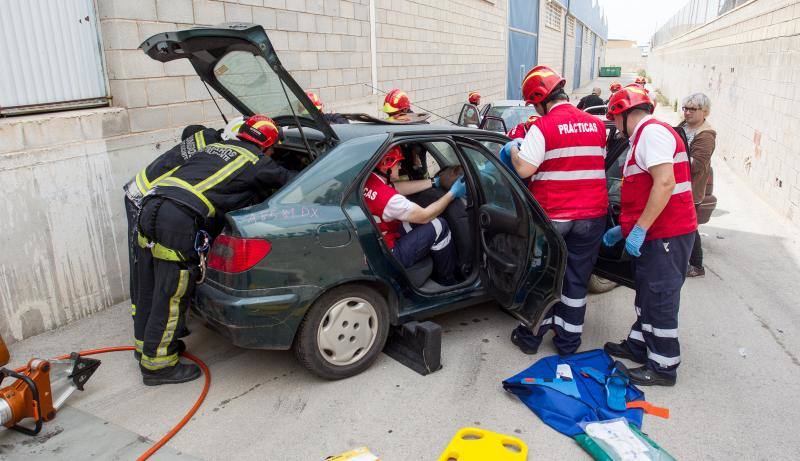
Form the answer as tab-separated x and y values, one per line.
420	240
565	318
696	258
166	279
132	215
659	274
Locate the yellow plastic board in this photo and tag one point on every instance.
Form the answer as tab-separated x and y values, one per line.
359	454
473	444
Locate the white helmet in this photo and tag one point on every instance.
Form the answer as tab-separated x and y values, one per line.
232	129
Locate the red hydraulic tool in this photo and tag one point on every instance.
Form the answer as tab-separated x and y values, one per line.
40	389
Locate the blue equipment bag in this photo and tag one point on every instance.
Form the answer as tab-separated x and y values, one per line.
563	412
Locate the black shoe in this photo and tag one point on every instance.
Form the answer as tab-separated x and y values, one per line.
521	338
696	271
621	350
180	373
181	347
644	376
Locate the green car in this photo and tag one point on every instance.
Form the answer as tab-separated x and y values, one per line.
308	269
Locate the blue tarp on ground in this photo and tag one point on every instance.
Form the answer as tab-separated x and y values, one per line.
563	412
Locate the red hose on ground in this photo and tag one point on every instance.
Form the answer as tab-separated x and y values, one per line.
160	443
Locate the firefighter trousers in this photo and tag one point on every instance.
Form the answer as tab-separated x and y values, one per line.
132	215
168	271
659	274
565	318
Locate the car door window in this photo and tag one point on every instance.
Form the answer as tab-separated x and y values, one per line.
445	152
495	187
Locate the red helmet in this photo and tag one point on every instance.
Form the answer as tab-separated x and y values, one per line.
315	100
615	86
640	80
260	130
628	98
390	159
540	82
396	101
474	97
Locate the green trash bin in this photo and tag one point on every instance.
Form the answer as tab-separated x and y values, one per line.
611	71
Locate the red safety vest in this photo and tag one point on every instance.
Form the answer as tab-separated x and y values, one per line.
678	217
377	195
571	182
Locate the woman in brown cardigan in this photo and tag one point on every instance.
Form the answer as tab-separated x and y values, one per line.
702	141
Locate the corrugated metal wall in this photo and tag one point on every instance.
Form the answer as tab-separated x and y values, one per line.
51	55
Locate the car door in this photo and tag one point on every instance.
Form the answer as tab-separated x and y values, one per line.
239	62
469	115
522	256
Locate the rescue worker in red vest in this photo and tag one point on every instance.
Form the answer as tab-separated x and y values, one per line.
658	223
563	154
193	139
172	234
474	98
410	231
640	80
519	131
396	104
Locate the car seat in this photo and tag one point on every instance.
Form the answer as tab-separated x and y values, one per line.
420	272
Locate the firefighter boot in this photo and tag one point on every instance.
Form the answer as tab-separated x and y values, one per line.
180	373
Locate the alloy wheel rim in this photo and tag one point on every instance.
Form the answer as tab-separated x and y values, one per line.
347	331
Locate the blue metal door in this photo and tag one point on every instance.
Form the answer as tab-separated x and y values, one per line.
576	74
594	57
523	43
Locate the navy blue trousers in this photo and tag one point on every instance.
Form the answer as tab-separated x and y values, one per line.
420	240
659	274
583	237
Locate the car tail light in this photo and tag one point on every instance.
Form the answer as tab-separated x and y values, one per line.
235	254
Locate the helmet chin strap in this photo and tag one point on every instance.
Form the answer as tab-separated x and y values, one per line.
625	124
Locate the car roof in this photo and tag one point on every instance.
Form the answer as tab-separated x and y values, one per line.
346	132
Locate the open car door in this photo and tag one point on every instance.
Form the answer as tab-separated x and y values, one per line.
239	62
469	116
523	258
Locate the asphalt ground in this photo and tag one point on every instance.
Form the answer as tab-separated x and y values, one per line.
735	397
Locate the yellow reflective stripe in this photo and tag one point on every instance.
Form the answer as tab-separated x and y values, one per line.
174	314
133	310
138	344
172	181
240	150
157	363
159	251
142	183
200	140
221	174
165	175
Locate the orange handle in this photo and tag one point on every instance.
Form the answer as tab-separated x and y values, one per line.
649	408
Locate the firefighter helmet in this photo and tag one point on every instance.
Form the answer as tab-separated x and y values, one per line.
540	83
631	97
261	131
396	101
390	159
315	100
474	97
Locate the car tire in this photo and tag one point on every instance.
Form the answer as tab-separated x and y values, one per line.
600	285
343	332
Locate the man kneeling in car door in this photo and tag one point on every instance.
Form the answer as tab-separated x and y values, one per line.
410	231
172	230
564	155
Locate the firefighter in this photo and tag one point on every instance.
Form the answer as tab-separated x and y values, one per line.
193	139
173	237
563	154
396	104
658	223
474	98
410	231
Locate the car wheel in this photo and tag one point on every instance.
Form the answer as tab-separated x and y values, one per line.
343	332
600	285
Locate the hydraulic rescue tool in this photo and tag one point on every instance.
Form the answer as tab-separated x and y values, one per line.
40	389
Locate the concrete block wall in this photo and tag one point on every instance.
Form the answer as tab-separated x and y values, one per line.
748	63
439	51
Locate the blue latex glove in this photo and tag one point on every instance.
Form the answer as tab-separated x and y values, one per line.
505	154
435	181
635	240
612	236
459	188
